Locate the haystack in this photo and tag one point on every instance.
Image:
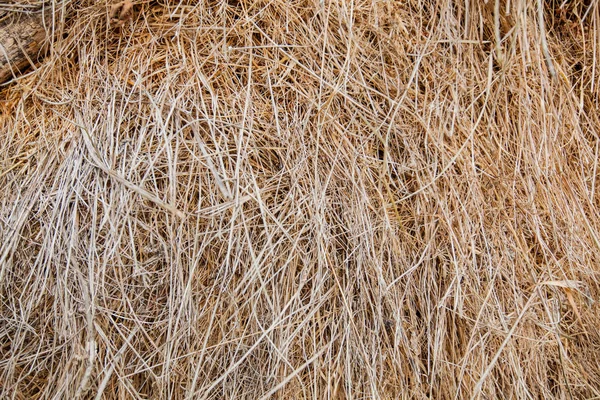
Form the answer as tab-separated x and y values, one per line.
334	199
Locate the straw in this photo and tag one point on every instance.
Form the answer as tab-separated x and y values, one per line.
304	199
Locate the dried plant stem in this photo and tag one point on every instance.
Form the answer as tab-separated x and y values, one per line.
544	40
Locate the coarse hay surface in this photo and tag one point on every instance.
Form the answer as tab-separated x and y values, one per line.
345	199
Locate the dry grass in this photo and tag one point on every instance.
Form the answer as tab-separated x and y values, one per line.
344	199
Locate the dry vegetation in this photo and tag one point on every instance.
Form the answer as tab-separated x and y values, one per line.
344	199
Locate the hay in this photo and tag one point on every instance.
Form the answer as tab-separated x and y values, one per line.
302	199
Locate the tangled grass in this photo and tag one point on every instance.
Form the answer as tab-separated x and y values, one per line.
304	199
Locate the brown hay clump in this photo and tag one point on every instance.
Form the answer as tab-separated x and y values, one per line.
304	199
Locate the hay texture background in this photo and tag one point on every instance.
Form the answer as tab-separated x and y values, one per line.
344	199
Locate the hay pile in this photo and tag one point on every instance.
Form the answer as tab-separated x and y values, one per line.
301	199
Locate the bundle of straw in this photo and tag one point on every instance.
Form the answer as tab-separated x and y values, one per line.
304	199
